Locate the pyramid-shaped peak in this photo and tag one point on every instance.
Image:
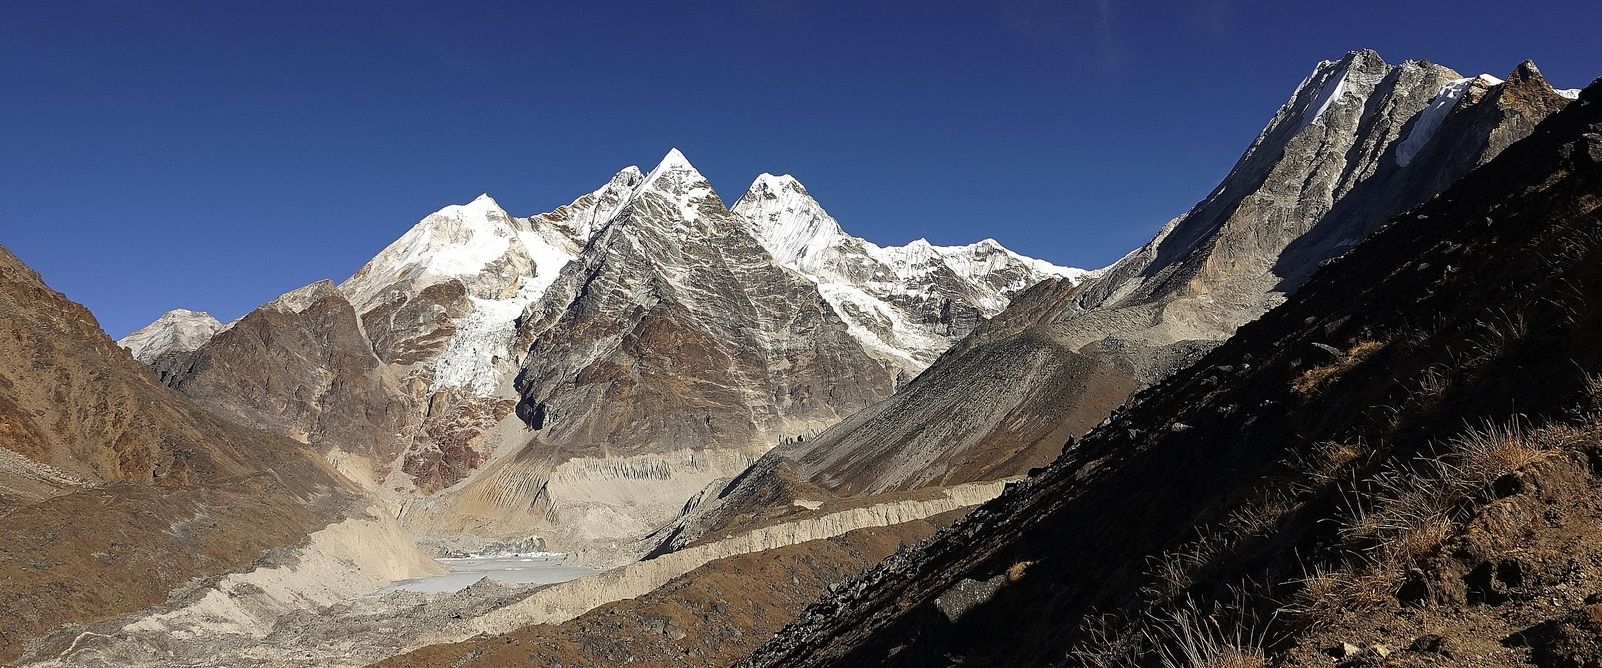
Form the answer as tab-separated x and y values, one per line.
673	161
1525	73
1365	59
674	174
675	178
480	207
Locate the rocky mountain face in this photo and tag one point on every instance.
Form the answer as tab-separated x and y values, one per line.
578	375
1395	467
1358	141
177	331
114	490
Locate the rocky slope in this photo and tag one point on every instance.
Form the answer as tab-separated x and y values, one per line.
116	493
578	375
1358	141
1396	467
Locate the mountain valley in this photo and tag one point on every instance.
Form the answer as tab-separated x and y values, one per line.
1344	411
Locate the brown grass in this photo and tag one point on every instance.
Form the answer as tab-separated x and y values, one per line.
1406	512
1315	379
1480	456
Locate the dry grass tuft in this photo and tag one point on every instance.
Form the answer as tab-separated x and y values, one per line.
1109	642
1327	593
1405	512
1480	456
1315	379
1497	333
1225	637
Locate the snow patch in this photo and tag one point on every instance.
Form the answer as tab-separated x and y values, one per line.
478	357
1329	93
1426	122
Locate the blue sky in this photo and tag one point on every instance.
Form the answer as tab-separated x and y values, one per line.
213	155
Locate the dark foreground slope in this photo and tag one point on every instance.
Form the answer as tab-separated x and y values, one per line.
115	490
1406	453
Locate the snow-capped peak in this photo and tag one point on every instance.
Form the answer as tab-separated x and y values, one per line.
676	179
786	220
179	330
886	295
673	174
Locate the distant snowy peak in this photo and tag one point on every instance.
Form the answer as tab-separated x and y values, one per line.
800	234
179	330
987	257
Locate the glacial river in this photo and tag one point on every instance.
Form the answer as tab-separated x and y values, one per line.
511	569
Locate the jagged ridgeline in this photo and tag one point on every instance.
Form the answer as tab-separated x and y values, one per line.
579	375
1396	466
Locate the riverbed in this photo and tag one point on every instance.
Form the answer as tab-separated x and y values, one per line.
510	569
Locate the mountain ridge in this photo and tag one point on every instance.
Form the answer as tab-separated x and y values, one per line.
461	371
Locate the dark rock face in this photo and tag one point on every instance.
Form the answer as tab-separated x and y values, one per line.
675	330
409	330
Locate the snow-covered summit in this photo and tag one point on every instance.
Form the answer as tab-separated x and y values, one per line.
477	243
179	330
681	185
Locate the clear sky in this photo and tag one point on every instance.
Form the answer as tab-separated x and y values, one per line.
213	155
